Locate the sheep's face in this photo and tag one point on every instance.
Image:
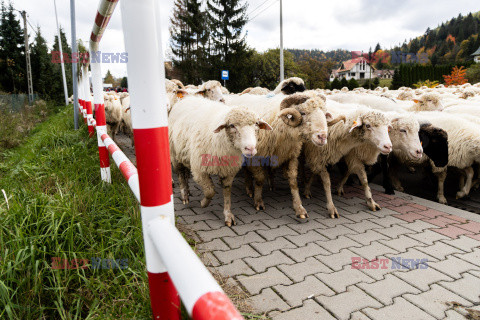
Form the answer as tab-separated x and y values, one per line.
213	93
293	85
429	102
241	127
308	115
435	144
404	137
374	126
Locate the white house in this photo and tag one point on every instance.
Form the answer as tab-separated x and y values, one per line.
476	55
357	68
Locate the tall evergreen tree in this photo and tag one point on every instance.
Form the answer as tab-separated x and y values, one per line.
227	18
68	66
45	83
12	52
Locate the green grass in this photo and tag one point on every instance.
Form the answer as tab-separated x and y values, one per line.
58	207
385	82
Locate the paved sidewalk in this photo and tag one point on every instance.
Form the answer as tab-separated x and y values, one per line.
428	254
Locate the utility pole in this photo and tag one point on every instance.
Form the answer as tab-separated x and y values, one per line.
27	55
282	72
74	64
65	89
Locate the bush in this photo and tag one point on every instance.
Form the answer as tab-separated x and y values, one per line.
336	84
376	83
473	73
352	84
343	83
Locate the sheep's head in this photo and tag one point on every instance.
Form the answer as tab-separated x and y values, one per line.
435	144
404	136
290	86
467	93
308	115
211	90
373	126
429	102
241	127
405	95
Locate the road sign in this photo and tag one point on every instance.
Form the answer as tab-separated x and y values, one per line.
225	75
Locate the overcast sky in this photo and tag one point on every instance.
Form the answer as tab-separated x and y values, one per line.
308	24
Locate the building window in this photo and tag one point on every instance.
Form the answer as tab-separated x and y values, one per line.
362	75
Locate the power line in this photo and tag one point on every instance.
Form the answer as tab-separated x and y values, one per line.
251	12
263	10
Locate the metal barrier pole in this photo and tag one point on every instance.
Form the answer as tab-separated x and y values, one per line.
74	65
146	75
88	100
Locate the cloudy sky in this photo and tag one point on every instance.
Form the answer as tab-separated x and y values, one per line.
308	24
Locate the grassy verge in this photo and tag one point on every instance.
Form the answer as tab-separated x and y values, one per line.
57	207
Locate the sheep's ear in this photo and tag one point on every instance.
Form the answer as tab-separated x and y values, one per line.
220	128
328	116
356	124
181	93
202	93
264	125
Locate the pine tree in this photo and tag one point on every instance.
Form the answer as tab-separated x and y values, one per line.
12	52
344	82
336	84
227	18
45	82
67	50
352	84
377	47
376	82
396	80
124	82
109	78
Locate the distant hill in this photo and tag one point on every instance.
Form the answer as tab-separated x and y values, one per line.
336	56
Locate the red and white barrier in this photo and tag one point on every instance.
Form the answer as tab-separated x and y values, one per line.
171	263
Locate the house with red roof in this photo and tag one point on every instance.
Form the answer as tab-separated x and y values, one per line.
357	68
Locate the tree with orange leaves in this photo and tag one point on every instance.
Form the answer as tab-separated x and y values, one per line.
457	77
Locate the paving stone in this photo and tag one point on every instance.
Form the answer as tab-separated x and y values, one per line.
268	300
300	254
346	210
464	243
215	224
361	227
343	304
384	268
330	223
402	243
275	233
439	250
394	231
388	221
441	221
409	217
255	216
338	244
234	254
428	237
296	293
387	289
280	221
261	263
472	257
397	201
453	315
373	250
453	231
255	283
212	234
401	309
434	301
452	266
309	310
307	226
244	228
215	244
471	226
431	213
423	278
339	260
360	216
235	268
357	315
405	209
419	225
336	231
474	236
268	247
299	271
385	212
366	238
340	280
308	237
238	241
466	287
209	259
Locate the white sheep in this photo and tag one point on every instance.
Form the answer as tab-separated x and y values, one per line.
361	124
113	114
290	86
209	138
256	91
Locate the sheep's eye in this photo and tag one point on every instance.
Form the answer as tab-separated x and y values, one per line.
403	130
368	126
232	126
302	113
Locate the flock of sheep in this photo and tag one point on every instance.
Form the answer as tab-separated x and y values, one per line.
434	128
